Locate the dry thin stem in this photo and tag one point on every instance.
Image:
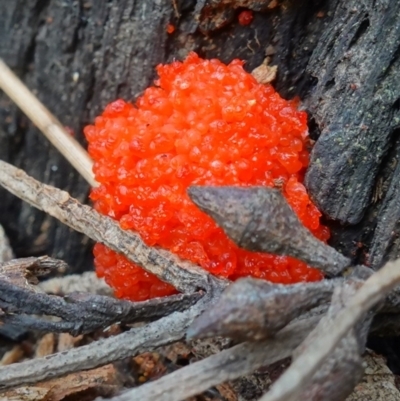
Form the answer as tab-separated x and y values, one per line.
227	365
182	275
165	331
47	123
81	313
300	373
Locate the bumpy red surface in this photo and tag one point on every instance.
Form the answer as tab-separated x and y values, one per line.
245	17
203	123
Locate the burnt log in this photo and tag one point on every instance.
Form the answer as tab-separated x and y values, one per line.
340	57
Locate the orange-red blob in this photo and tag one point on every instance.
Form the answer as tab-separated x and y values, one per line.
170	28
245	17
203	123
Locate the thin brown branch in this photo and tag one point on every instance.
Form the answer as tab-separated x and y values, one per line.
260	219
48	124
182	275
300	373
227	365
164	331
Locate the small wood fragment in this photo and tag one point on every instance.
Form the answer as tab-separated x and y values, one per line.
25	394
24	272
14	355
260	219
265	73
45	346
102	381
66	341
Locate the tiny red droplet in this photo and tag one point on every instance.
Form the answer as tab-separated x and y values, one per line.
170	28
246	17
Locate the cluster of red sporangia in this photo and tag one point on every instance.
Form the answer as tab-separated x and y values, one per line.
202	123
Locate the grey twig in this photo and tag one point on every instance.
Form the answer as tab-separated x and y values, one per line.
164	331
79	312
260	219
252	309
302	370
336	378
184	276
226	365
82	313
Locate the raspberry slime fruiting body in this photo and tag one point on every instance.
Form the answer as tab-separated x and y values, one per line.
245	17
203	123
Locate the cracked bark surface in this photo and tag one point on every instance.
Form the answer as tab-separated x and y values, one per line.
340	57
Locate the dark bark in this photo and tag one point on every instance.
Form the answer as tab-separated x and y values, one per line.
340	57
76	56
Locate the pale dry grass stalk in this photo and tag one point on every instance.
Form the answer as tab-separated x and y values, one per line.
47	123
